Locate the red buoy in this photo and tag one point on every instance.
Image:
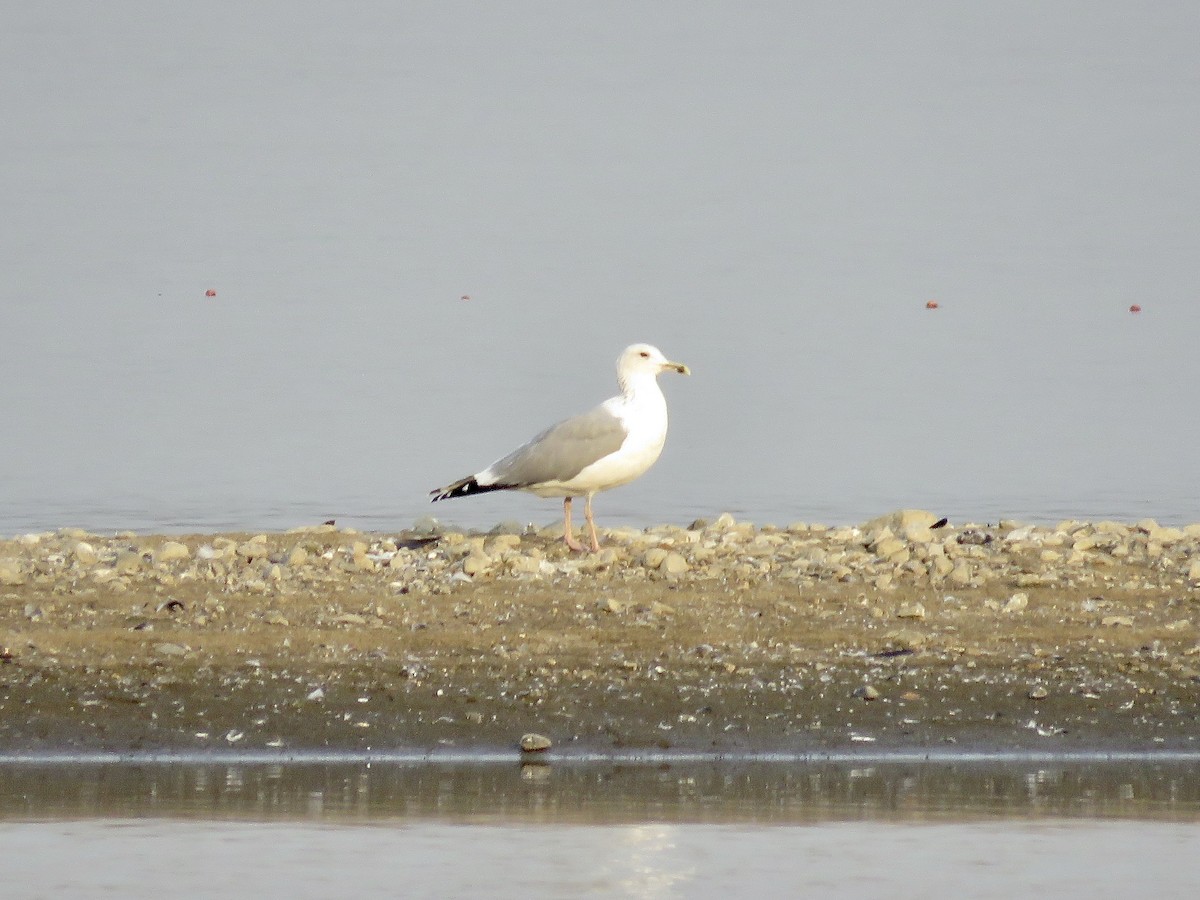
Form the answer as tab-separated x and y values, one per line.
931	304
1135	308
210	293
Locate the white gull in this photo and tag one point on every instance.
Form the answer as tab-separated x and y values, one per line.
604	448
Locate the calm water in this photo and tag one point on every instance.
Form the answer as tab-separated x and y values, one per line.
770	194
312	830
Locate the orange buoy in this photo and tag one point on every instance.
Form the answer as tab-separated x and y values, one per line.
931	304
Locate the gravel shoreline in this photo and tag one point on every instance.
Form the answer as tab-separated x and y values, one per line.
902	633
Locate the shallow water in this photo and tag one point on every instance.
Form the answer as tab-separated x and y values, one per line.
772	196
910	829
650	789
1000	859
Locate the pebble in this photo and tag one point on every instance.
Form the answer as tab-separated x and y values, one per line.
85	554
866	692
1017	603
127	562
476	564
1038	693
654	557
172	551
674	564
895	552
10	572
903	639
534	743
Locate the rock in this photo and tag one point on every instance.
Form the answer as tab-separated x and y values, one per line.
1017	603
654	557
509	528
1193	572
534	743
911	611
1019	534
170	650
10	572
85	554
527	565
1117	621
866	692
252	550
974	537
1038	693
127	562
171	551
476	564
903	639
961	574
674	564
889	547
723	522
1165	536
1033	579
901	521
503	541
298	557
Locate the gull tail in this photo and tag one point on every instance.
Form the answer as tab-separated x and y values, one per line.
464	487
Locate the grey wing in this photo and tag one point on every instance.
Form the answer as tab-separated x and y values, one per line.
562	451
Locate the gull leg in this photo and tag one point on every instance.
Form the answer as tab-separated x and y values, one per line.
567	536
587	514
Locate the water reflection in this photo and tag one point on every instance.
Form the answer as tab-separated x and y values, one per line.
765	793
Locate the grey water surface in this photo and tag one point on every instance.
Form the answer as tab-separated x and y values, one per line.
915	829
771	193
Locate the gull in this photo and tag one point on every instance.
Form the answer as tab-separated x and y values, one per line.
604	448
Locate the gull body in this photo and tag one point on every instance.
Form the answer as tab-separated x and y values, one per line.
606	447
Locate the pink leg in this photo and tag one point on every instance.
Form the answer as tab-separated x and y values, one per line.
587	514
567	536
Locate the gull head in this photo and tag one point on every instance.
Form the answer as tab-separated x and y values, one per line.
645	359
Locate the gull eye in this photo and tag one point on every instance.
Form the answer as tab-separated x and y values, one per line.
644	355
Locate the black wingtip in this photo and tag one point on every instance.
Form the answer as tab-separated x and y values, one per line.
464	488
